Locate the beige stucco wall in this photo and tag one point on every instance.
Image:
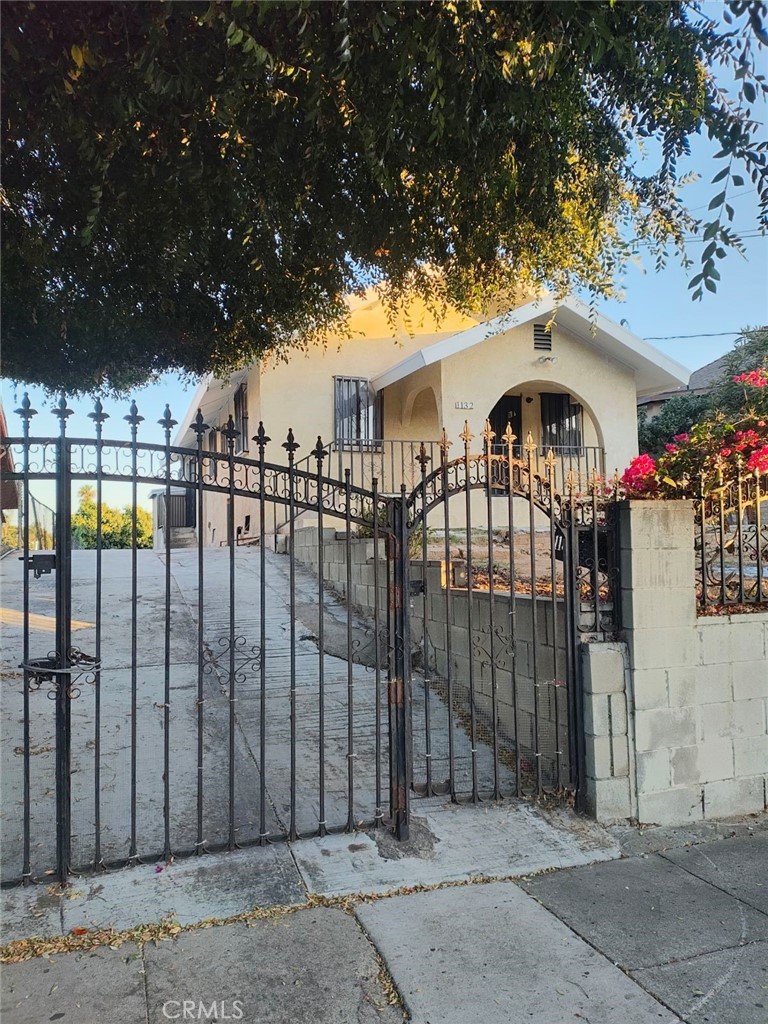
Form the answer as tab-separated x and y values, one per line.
299	394
508	363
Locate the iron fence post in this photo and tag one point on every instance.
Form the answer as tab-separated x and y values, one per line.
63	722
400	760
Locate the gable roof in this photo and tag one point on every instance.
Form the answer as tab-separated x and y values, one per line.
653	370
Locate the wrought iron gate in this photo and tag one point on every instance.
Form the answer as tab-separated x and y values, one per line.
209	698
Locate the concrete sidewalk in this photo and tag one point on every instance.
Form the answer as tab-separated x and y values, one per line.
650	938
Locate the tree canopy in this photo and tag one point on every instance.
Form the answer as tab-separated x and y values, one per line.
116	524
190	185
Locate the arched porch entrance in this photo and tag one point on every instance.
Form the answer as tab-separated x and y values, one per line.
555	419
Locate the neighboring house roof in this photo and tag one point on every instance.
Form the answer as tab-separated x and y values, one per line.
701	381
653	370
706	376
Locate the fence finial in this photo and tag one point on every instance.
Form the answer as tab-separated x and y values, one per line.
261	439
230	432
167	423
488	434
25	410
98	415
199	425
63	411
319	451
423	458
290	444
509	437
134	418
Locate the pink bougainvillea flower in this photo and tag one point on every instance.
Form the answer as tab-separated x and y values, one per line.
671	447
758	460
755	378
725	452
682	437
639	477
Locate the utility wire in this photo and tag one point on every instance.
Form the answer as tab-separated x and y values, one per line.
736	195
678	337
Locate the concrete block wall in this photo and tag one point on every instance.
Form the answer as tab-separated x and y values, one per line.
520	703
546	702
675	714
609	789
698	693
334	554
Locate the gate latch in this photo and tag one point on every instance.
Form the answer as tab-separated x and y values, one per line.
416	587
42	563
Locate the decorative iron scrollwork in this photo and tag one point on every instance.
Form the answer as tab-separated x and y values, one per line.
48	670
503	645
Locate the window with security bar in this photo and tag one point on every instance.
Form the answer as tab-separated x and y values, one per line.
241	419
355	413
561	422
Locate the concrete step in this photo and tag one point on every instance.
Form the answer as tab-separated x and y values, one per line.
183	537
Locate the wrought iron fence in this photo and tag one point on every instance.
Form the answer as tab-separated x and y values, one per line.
197	711
498	624
393	463
732	541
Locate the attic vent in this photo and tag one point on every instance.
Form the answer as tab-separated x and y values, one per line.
542	338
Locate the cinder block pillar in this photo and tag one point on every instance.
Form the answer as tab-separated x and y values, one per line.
609	789
658	606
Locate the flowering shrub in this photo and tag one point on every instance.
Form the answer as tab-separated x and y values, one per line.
696	459
758	460
755	378
639	479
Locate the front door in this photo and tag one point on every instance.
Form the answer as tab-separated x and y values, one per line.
507	412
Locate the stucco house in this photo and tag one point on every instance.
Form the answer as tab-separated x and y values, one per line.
548	368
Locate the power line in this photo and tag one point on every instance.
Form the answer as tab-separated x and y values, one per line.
678	337
734	196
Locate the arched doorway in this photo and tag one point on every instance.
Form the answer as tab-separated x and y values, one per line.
556	420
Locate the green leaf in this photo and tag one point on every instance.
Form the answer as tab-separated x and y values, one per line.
749	92
718	200
77	56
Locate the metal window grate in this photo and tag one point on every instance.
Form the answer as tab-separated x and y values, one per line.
561	421
354	411
241	419
542	338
